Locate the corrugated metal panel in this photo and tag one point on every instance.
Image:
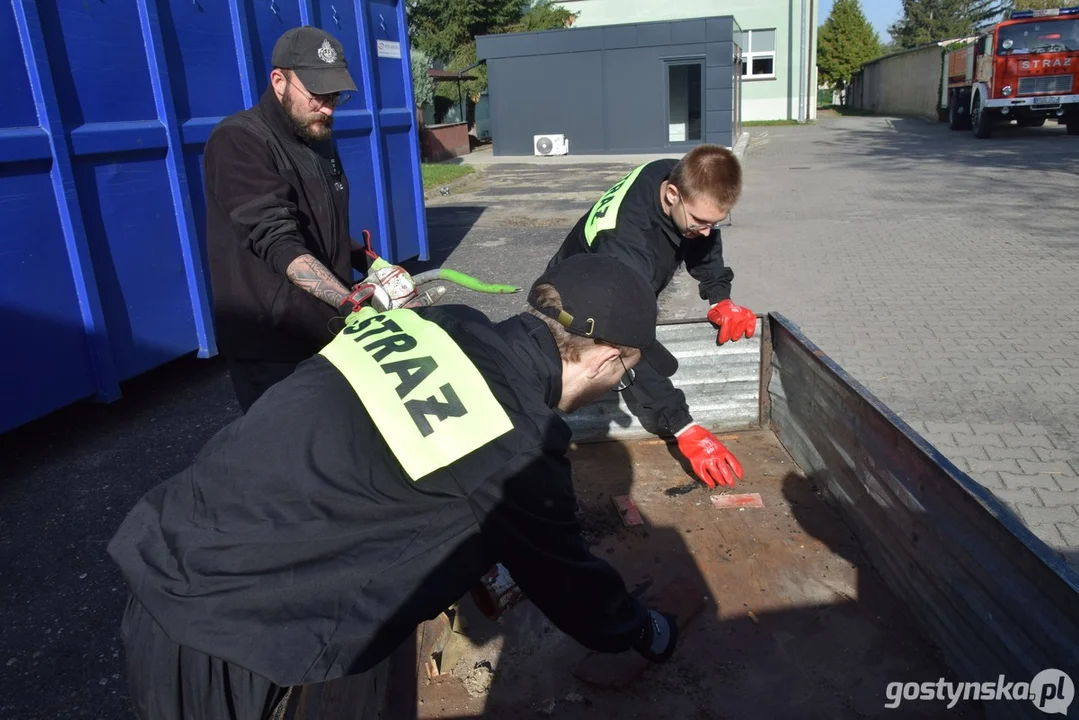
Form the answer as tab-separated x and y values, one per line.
722	386
994	598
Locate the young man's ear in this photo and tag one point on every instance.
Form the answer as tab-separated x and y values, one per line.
673	193
600	357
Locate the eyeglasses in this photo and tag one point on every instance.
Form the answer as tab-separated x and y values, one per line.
333	100
627	377
696	227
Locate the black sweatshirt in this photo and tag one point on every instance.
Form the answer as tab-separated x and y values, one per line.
298	546
629	223
271	198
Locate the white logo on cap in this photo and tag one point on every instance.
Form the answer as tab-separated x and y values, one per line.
326	53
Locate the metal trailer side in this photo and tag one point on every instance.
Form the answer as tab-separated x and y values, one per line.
869	560
985	590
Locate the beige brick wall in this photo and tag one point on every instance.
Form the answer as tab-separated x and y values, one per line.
907	84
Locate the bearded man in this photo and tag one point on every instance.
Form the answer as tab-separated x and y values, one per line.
281	252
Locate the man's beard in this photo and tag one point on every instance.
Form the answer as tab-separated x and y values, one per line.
311	127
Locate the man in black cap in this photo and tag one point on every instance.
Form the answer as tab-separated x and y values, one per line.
372	488
281	253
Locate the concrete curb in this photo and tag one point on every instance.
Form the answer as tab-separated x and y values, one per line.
487	159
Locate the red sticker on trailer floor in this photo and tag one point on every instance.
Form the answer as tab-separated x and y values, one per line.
751	500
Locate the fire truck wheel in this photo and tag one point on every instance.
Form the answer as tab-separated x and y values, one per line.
958	117
1073	127
980	121
953	112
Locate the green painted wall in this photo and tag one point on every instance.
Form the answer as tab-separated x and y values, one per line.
762	99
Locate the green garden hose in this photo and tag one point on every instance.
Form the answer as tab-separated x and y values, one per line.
464	280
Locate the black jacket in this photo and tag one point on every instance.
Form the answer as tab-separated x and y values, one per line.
271	198
297	546
629	223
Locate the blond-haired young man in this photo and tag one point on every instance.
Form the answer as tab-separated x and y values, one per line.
659	216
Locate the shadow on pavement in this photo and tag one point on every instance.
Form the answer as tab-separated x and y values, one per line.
916	140
68	479
447	227
1007	178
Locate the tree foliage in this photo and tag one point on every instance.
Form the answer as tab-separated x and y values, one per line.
1039	4
446	30
543	15
985	13
928	21
465	56
847	41
441	28
422	84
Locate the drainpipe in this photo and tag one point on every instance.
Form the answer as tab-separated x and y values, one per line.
811	90
802	68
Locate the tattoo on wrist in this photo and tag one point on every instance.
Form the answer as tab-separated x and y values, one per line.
307	273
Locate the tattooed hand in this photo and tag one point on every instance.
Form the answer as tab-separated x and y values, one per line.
309	274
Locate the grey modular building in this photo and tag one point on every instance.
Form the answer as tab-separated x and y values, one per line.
657	87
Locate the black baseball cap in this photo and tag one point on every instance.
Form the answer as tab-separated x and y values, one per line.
605	299
316	57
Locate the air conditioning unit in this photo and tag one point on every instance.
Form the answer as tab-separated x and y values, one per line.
550	144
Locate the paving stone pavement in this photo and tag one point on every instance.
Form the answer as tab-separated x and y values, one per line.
942	272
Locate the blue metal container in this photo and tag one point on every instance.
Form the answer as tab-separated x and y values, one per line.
108	105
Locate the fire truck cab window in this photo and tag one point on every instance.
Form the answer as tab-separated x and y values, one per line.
1038	37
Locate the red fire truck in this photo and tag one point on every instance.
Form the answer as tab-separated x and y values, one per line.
1025	68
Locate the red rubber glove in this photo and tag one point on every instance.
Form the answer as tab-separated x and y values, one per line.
734	321
713	463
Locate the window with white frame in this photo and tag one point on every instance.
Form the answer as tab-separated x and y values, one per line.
758	54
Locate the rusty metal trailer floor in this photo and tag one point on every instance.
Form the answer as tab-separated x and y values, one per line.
796	624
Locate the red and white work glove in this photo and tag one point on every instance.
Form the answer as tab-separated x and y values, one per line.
386	287
393	288
734	321
713	463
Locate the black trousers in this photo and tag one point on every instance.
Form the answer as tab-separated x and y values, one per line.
251	378
172	682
